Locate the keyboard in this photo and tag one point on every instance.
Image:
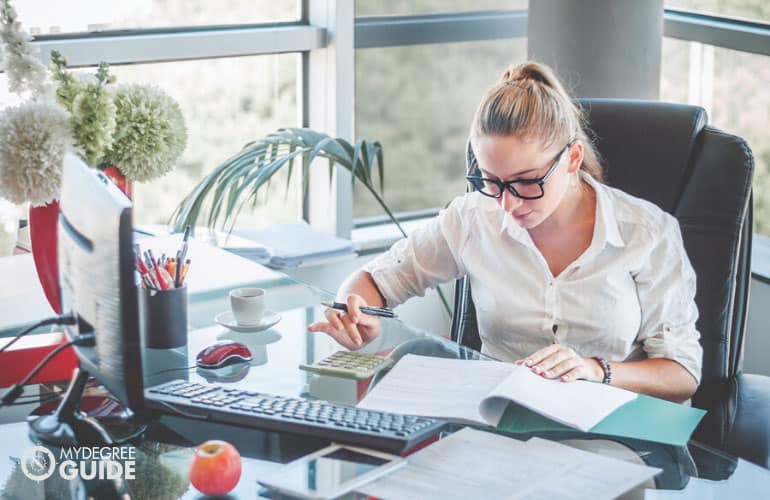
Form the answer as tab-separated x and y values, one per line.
389	432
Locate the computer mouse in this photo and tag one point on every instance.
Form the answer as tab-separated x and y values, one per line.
228	374
223	353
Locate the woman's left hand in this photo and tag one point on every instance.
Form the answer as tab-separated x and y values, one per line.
558	361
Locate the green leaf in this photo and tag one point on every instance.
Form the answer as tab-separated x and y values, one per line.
222	194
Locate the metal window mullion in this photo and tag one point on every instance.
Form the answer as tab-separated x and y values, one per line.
735	34
329	78
160	47
390	31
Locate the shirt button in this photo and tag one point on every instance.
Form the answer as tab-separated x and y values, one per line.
550	283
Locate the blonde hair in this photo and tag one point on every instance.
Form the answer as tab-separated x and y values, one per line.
529	100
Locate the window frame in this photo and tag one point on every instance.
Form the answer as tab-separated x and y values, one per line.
327	35
396	31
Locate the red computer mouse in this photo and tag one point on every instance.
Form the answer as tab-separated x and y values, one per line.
223	353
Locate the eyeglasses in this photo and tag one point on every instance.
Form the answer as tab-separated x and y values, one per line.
527	189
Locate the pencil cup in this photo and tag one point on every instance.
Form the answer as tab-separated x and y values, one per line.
163	317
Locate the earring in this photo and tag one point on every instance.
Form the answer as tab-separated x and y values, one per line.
574	180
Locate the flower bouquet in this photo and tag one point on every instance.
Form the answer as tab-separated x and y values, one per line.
133	132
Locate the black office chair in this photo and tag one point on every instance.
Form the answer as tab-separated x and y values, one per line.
667	154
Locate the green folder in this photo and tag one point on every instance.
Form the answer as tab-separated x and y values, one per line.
645	417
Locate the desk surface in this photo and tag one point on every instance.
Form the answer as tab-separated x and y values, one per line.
213	272
163	458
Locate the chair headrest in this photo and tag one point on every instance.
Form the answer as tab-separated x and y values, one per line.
646	146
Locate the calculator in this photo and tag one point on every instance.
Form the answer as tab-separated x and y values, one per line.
349	364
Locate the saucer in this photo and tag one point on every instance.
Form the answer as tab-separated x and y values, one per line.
227	320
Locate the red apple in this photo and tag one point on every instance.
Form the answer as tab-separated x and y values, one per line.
216	468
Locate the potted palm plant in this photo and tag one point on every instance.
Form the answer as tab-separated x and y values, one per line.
218	199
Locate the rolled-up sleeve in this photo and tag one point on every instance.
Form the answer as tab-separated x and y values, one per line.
428	257
666	288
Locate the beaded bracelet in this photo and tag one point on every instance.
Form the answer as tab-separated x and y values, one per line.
606	368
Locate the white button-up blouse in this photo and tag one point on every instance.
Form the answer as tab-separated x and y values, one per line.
629	296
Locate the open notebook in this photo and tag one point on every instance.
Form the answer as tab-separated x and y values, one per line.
481	392
478	392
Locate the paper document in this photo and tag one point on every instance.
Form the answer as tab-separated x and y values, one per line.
286	245
477	464
476	391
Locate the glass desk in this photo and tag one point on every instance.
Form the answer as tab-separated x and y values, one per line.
163	457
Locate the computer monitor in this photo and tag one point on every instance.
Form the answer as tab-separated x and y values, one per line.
96	267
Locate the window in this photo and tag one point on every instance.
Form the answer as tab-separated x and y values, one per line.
408	7
418	101
56	16
226	102
732	86
754	10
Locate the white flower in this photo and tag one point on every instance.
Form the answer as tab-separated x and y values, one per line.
24	69
33	139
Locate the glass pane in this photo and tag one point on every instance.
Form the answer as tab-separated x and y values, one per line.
732	86
753	10
56	16
418	101
226	103
407	7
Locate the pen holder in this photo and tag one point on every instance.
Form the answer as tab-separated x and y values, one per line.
163	317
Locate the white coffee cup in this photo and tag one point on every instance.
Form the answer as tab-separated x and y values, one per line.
248	305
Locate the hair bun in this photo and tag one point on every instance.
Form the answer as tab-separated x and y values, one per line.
529	71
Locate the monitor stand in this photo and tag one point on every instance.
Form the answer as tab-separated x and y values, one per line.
68	425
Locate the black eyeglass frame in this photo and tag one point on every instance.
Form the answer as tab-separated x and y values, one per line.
476	180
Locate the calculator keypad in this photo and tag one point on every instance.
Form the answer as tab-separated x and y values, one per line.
349	365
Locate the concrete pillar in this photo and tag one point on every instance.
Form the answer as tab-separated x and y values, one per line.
600	48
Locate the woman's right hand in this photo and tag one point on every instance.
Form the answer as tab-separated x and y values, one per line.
353	329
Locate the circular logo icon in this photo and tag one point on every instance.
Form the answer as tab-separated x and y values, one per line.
38	463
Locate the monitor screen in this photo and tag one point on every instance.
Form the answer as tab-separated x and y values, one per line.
96	266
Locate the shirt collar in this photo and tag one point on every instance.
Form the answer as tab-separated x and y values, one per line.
606	228
607	223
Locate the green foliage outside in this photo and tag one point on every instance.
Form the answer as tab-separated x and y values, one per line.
418	101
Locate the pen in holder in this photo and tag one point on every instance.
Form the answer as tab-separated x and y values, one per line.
163	316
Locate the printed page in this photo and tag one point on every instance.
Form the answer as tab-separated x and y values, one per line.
468	464
582	474
477	464
580	404
437	387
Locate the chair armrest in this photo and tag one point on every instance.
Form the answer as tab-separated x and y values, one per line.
749	434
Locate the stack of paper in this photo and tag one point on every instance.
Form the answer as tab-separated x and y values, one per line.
287	245
477	464
513	399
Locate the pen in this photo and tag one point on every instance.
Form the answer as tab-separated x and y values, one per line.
161	280
372	311
178	269
185	237
183	273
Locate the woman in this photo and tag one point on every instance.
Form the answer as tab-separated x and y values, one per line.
572	278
